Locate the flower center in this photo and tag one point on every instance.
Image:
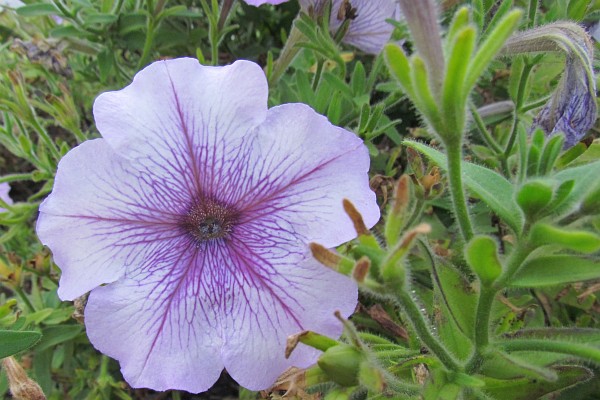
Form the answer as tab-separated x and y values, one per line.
209	219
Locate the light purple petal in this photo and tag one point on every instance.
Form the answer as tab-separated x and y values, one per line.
303	169
283	298
175	110
104	217
369	31
163	325
4	190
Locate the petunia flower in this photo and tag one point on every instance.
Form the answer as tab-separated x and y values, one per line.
190	220
4	190
368	29
572	109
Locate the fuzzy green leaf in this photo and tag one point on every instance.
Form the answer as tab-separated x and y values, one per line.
533	388
488	185
555	270
585	242
482	256
533	197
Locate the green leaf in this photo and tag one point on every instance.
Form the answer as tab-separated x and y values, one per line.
67	31
577	9
359	79
102	19
555	270
589	155
533	197
586	181
501	365
570	155
399	66
550	154
36	10
456	296
454	98
577	335
585	242
54	335
424	100
490	47
482	256
491	187
105	64
533	388
459	21
13	342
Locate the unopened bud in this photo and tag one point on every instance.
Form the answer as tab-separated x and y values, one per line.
393	271
325	256
416	162
371	377
21	386
421	17
356	217
572	109
309	338
361	269
331	259
342	364
397	216
402	199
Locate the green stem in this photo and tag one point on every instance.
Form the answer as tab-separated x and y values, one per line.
522	85
24	297
518	255
454	153
535	104
482	326
511	139
16	177
176	395
518	107
533	5
148	42
318	72
486	300
423	330
485	134
576	349
44	135
289	51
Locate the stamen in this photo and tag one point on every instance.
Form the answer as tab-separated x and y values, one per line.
210	219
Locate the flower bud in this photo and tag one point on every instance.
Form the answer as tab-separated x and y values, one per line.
21	386
572	109
331	259
342	364
361	269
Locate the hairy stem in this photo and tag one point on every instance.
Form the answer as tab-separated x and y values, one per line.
287	55
423	330
454	152
486	300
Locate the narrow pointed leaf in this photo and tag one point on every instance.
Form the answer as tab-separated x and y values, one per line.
13	342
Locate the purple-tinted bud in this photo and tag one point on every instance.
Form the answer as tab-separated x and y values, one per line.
572	109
